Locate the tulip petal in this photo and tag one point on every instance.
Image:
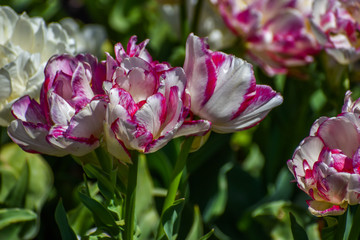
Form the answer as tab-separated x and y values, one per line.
309	150
32	138
88	121
23	34
115	146
347	136
61	112
152	114
194	128
251	112
28	110
321	209
173	111
81	89
74	145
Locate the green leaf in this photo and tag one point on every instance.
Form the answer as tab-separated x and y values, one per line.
61	219
145	211
217	204
105	160
106	186
208	235
196	230
171	219
12	167
297	231
355	230
10	216
16	197
103	218
329	232
80	219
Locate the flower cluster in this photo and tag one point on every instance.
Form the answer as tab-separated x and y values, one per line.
337	24
326	164
283	34
26	44
136	103
68	119
277	33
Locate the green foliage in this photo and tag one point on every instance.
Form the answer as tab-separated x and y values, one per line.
170	220
102	216
26	181
63	224
236	186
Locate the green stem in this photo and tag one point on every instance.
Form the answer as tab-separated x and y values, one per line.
176	177
130	198
355	229
177	173
1	131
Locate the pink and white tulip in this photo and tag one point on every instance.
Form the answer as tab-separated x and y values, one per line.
147	105
223	89
69	117
276	32
337	24
326	165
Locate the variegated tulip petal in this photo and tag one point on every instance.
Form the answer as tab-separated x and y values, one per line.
32	138
115	146
194	128
61	111
347	136
152	114
74	145
321	209
252	111
304	158
89	117
28	110
223	89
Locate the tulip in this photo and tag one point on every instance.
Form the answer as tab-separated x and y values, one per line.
148	103
26	44
276	33
326	164
223	89
336	24
69	118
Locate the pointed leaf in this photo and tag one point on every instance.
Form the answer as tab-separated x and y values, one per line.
355	230
208	235
171	219
102	216
105	184
217	204
61	219
297	231
196	230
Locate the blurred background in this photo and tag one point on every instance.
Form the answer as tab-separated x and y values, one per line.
238	183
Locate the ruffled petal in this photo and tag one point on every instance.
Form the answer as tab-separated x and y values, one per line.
321	209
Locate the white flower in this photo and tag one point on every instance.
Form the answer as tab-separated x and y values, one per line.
26	44
83	34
